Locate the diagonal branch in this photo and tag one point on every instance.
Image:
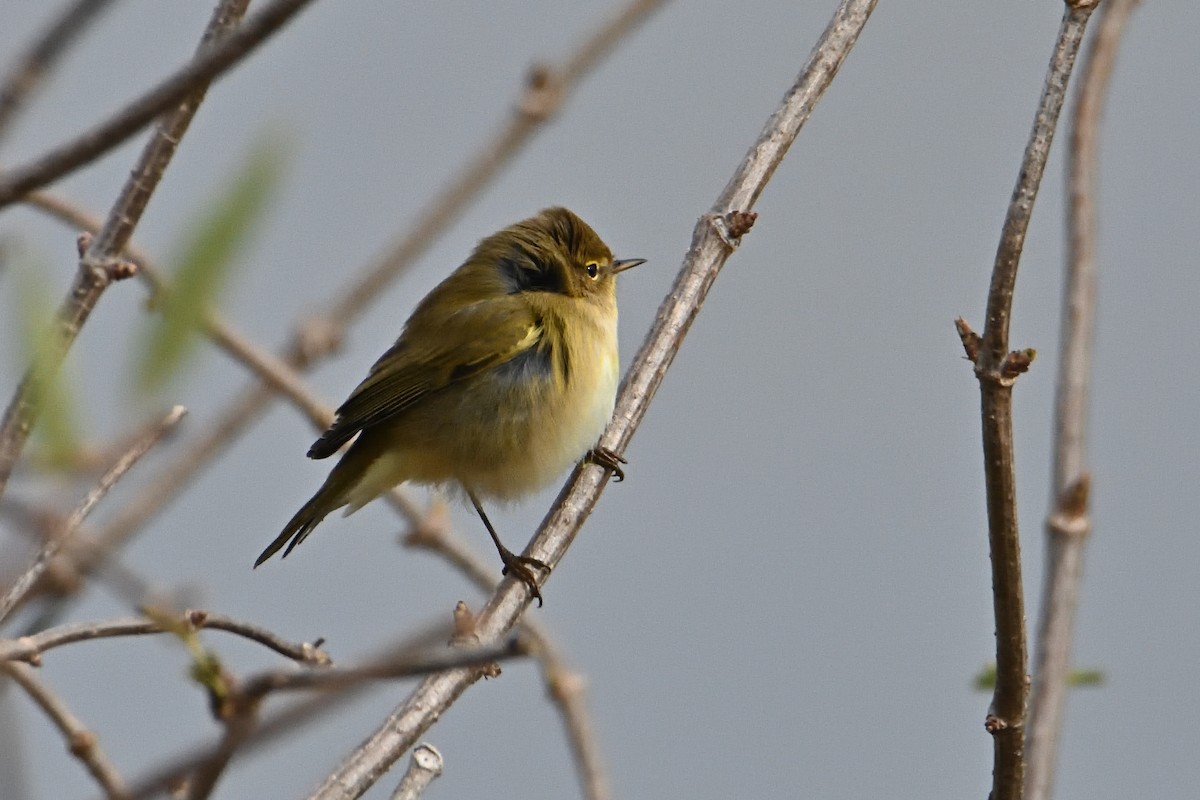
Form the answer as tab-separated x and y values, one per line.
81	742
714	240
1068	524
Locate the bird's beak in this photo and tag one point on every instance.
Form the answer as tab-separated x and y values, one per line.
626	263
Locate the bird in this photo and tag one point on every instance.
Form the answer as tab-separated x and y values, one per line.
503	377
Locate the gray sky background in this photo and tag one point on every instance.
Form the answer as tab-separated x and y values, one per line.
790	595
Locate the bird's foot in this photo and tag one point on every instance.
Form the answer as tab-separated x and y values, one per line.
603	457
520	567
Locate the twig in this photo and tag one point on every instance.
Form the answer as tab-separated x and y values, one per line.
196	75
90	282
997	370
424	767
1068	523
114	474
32	67
339	686
564	686
713	241
30	648
81	742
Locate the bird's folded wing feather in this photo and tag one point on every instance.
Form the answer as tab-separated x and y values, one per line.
474	338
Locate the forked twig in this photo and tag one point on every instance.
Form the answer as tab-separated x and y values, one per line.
997	370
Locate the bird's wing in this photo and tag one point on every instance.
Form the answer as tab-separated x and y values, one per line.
442	352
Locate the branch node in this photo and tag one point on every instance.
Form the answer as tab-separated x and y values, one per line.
731	226
464	625
1070	515
564	685
83	242
313	654
121	268
543	94
971	341
33	657
80	743
318	337
1017	362
740	222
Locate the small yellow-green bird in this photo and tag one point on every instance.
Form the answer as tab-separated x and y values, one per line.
504	376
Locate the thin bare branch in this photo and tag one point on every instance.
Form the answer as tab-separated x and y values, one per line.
37	62
338	686
175	89
1068	523
564	686
81	742
997	370
714	240
139	448
30	648
424	766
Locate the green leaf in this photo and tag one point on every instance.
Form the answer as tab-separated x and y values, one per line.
204	259
1086	677
985	679
56	430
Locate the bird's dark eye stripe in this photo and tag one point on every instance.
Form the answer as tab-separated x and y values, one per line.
522	273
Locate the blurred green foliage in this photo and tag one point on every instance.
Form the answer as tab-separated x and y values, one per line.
56	429
203	261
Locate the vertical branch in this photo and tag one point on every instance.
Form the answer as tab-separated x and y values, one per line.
997	370
1068	523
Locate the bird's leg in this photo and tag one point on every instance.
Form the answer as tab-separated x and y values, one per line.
603	457
517	564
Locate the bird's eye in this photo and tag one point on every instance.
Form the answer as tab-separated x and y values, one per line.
593	269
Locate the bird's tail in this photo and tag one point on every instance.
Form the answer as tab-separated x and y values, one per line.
327	498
